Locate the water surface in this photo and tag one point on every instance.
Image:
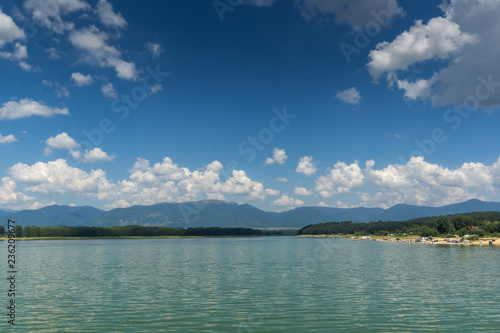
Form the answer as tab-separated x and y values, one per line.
262	284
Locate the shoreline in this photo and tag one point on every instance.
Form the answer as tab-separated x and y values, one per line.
124	237
412	239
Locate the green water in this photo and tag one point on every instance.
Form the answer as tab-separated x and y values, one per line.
267	284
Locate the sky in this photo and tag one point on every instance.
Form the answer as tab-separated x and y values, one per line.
275	103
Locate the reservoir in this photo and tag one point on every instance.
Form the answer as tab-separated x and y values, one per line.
253	284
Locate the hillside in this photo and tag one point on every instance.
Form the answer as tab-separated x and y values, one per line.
217	213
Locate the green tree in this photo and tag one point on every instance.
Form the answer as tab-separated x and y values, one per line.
443	225
462	221
19	231
2	230
27	231
425	231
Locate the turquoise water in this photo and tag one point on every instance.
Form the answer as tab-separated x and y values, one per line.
267	284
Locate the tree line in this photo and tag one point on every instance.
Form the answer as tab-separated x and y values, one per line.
477	223
129	231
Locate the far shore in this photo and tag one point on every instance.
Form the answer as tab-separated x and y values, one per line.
411	239
123	237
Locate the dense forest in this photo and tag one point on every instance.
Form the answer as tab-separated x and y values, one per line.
129	231
478	223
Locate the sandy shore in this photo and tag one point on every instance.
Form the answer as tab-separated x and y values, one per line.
413	239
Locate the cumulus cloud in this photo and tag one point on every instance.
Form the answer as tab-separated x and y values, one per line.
7	139
440	38
349	96
417	182
302	191
9	196
147	184
27	107
340	179
57	177
306	166
272	192
97	155
81	79
108	17
18	55
354	13
61	141
95	50
453	40
9	31
109	91
282	180
286	201
49	15
279	157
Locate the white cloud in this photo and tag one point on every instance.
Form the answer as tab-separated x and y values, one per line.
282	180
81	79
156	88
9	196
57	177
49	14
413	90
7	139
53	54
286	201
322	204
272	192
466	76
239	183
61	91
419	182
302	191
9	31
108	17
340	179
61	141
109	91
440	38
354	13
20	53
27	107
349	96
96	155
166	181
306	166
279	157
93	43
154	48
260	3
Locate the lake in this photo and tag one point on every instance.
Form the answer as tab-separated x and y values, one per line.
260	284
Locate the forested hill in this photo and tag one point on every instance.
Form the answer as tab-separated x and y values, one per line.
461	224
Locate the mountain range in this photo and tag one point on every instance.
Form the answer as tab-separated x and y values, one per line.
217	213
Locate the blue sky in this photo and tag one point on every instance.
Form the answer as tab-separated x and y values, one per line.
274	103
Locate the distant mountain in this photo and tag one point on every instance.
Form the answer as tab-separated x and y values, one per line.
211	213
56	216
6	213
404	212
205	213
307	215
